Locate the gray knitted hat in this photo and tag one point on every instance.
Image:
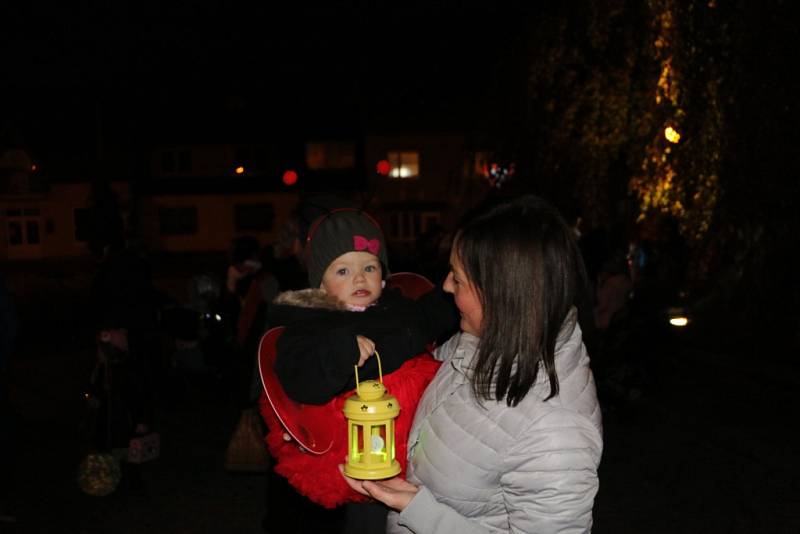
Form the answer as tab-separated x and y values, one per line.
339	232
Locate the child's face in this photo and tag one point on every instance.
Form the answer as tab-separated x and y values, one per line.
354	278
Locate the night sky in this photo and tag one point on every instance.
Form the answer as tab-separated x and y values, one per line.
153	73
186	73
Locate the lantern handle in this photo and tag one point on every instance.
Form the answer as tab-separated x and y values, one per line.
380	373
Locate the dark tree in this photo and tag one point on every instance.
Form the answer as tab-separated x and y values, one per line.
644	113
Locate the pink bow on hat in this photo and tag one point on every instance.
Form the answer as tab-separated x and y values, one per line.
362	243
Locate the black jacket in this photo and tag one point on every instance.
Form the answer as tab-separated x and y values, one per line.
318	350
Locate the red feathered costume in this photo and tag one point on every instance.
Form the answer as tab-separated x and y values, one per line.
317	476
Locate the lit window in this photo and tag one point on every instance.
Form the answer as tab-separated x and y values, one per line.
321	155
404	165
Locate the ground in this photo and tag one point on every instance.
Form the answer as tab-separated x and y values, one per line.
711	450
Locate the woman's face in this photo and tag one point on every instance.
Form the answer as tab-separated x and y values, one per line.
466	296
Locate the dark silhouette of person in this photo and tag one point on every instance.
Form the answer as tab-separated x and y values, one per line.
124	306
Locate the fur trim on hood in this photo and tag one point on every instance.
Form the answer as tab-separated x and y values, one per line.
310	298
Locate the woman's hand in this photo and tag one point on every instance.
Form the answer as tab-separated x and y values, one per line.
395	492
366	348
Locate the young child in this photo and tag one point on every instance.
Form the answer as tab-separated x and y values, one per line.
339	323
346	315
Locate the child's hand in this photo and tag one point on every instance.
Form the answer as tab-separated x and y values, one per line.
366	348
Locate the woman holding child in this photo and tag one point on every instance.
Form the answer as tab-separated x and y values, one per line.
334	325
507	437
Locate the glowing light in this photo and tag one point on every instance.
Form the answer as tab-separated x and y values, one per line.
401	172
677	316
383	167
290	177
239	170
678	321
33	167
671	134
500	174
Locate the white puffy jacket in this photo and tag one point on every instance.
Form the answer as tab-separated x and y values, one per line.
491	468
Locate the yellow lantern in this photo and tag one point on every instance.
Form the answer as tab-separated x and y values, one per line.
370	414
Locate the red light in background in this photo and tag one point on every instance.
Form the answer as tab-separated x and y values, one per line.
384	167
33	167
290	178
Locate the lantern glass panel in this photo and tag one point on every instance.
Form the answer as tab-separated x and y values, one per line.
356	442
391	433
378	442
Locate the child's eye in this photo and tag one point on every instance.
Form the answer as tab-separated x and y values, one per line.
370	268
341	272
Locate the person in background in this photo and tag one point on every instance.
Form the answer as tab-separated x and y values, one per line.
243	266
613	290
508	435
124	304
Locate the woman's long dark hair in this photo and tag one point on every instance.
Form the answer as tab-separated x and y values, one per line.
526	267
